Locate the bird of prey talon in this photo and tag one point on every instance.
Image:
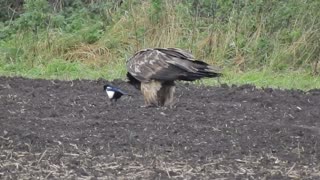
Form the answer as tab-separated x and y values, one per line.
154	72
113	92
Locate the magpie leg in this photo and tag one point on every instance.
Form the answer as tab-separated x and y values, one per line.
110	102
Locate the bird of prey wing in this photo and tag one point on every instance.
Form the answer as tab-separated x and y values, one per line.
150	64
175	52
168	65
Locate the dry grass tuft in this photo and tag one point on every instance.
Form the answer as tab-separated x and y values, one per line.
89	54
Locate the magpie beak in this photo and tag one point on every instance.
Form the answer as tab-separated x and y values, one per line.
113	92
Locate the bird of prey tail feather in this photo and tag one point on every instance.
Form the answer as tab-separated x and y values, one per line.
154	72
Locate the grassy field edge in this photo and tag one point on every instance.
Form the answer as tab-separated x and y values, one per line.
64	70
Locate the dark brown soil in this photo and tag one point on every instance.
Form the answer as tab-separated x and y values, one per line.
69	130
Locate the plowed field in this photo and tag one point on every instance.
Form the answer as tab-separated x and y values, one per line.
51	129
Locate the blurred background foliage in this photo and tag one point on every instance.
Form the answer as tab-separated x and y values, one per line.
237	35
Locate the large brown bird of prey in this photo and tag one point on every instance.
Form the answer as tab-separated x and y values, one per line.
154	71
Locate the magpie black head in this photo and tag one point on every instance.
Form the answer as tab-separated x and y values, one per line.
105	87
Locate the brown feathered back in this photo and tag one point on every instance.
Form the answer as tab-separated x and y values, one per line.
168	64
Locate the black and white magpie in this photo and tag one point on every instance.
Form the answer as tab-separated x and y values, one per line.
113	92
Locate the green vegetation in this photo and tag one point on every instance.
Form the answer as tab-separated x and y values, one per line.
263	42
282	80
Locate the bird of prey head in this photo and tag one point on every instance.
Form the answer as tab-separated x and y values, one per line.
154	71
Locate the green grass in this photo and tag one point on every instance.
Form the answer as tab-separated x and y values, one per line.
285	80
64	70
